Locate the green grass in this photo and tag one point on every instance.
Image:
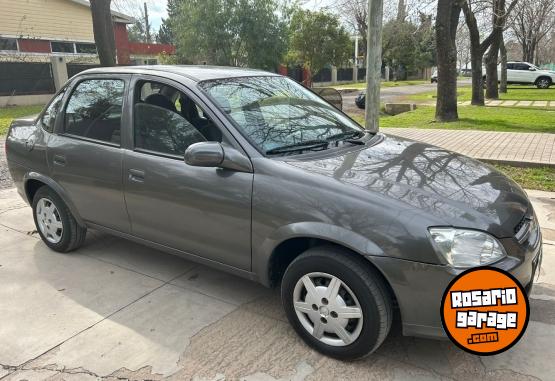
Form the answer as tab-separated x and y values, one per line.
475	118
362	85
514	93
9	113
531	178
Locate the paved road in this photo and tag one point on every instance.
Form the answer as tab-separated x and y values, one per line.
390	94
117	310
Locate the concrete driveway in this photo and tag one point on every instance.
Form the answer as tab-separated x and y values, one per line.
117	310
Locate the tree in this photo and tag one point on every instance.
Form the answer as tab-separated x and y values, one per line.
317	39
355	14
477	49
166	33
503	54
136	32
230	32
499	18
463	47
103	29
407	46
534	20
447	20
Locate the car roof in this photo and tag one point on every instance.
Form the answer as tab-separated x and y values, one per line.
196	73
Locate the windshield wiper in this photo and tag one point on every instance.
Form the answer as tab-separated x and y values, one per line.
300	146
348	136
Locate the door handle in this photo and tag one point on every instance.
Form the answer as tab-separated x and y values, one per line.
137	175
60	160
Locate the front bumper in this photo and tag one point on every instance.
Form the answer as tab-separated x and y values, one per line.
419	287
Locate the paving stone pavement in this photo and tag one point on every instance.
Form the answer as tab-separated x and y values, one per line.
504	147
115	310
513	103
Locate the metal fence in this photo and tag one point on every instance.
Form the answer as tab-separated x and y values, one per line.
345	74
295	72
324	75
73	69
26	78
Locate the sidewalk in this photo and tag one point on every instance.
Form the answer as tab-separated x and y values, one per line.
509	103
536	149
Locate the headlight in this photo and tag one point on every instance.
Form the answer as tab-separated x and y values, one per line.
467	248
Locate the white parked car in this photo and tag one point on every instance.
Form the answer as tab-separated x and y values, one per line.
527	73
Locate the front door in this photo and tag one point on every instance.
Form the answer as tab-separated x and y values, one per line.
85	156
201	211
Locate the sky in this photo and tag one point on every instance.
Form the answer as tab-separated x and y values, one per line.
157	8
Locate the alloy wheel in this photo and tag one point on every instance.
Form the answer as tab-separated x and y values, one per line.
49	220
328	309
543	83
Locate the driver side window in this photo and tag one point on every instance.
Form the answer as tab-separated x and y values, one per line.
167	121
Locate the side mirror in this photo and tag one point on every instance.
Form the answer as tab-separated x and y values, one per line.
204	154
532	69
217	155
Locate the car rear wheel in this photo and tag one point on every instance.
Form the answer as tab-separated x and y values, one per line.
543	83
337	302
55	224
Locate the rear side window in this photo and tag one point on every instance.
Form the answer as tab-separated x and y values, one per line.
49	117
94	110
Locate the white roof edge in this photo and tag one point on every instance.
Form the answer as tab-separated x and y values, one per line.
123	17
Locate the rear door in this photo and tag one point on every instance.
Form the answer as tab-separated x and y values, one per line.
85	155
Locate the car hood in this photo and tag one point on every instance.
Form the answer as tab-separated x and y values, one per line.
452	188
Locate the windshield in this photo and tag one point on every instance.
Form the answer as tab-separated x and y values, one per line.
276	113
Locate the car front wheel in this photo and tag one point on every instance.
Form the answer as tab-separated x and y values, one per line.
337	302
55	224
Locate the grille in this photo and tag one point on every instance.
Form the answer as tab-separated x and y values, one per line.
525	227
521	224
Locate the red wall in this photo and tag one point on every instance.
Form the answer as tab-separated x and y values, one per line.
153	49
34	46
124	48
122	44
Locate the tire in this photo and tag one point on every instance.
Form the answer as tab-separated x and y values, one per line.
57	227
543	83
356	277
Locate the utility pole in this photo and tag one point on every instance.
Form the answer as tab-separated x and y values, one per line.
356	50
374	64
147	25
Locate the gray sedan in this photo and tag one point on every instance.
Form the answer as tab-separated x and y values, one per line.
251	173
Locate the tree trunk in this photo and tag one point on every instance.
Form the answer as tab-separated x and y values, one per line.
492	80
477	78
103	29
503	79
448	12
